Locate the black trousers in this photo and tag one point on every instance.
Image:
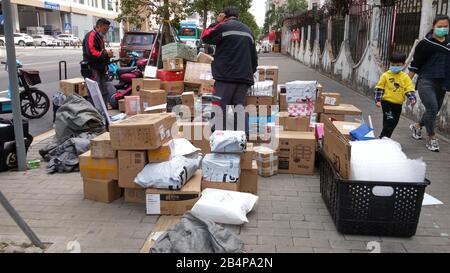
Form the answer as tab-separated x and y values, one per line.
391	116
234	94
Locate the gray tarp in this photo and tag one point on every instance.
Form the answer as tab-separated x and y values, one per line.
196	235
77	122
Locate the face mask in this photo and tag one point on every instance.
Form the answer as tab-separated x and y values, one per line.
396	69
441	31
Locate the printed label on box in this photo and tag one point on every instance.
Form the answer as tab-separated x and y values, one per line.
330	101
162	133
153	203
150	71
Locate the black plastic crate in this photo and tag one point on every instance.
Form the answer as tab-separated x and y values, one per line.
355	208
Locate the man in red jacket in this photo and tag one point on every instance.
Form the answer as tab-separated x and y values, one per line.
96	55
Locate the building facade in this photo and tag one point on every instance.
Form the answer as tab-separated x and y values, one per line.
54	17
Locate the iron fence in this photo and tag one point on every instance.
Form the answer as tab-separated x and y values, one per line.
441	7
360	21
337	33
313	35
387	16
323	33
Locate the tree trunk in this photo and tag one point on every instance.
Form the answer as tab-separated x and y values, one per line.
205	18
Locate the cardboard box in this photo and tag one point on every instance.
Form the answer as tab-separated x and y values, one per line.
337	148
300	124
283	102
204	145
188	99
175	64
134	196
269	73
204	58
195	131
144	84
296	152
221	185
161	154
259	100
168	202
173	88
130	164
152	98
332	99
323	117
267	162
103	169
249	179
198	73
345	127
247	157
71	86
101	147
132	105
121	106
142	132
105	191
342	109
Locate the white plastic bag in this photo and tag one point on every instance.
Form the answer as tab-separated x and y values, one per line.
299	91
228	142
225	207
221	168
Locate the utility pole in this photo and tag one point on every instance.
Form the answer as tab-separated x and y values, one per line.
13	85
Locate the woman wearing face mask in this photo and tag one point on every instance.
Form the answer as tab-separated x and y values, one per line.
432	64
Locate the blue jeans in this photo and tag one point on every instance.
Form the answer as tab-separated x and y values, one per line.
432	94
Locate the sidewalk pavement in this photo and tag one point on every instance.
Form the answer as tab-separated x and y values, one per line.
290	215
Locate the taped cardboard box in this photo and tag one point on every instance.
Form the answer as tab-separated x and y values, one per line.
300	124
204	58
337	148
221	185
324	117
267	161
161	154
150	98
136	196
283	103
179	50
198	73
259	100
71	86
105	191
342	109
132	105
101	147
269	73
188	99
130	164
173	88
144	84
247	157
249	179
296	153
103	169
167	202
175	64
326	98
142	132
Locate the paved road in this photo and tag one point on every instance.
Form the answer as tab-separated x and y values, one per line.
46	61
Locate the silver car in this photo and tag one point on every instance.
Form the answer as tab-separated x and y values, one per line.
69	39
45	40
2	40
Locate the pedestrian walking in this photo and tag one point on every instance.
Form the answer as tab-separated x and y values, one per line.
432	64
390	93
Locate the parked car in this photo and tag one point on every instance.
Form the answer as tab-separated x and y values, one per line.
23	39
46	40
139	42
2	40
69	39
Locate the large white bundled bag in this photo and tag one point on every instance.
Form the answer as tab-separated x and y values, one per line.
228	141
225	207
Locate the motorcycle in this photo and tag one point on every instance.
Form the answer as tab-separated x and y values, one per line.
34	103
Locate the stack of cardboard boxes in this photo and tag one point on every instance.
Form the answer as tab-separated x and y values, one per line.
328	105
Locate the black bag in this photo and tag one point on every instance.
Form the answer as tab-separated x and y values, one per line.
8	157
86	71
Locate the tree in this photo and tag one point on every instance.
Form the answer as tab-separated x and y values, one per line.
248	19
295	6
201	7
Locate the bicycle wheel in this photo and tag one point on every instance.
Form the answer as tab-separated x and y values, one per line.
34	104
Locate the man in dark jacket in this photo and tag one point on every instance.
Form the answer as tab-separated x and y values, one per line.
95	54
235	60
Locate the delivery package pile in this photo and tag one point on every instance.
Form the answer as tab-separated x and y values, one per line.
172	163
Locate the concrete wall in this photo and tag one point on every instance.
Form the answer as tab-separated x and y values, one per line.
364	75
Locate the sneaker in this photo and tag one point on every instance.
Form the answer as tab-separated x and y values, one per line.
433	145
416	132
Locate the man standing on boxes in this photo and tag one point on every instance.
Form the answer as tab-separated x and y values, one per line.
96	56
235	62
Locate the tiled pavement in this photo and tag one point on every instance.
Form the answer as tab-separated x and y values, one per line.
290	216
